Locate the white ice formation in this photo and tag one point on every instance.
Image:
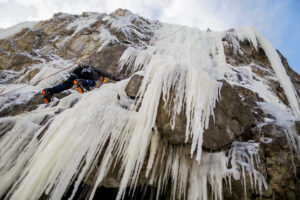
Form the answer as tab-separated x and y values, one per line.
10	31
47	159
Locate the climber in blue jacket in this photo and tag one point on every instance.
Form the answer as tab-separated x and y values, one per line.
83	76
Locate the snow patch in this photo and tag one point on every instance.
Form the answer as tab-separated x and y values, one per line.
131	25
7	75
82	23
11	31
106	38
266	140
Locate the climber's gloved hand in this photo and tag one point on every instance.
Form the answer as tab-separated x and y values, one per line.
72	77
83	65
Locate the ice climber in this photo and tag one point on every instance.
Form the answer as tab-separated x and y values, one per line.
83	76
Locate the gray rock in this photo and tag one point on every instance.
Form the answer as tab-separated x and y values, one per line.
173	136
6	126
133	86
232	118
277	160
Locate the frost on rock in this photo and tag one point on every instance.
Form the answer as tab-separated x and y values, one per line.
6	76
132	26
48	69
82	23
106	38
30	90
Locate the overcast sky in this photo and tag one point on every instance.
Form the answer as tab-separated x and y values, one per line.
278	20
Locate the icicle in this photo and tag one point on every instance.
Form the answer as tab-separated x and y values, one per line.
196	89
59	155
251	34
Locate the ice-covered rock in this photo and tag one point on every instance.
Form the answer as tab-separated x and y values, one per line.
197	114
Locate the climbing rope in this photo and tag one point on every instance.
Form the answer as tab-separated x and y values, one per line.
28	84
15	89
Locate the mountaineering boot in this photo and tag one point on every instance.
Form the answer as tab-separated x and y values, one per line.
82	86
47	95
105	80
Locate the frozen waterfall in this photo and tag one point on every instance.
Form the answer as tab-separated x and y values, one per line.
191	63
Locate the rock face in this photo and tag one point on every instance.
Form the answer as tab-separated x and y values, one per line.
133	86
233	117
238	115
282	181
